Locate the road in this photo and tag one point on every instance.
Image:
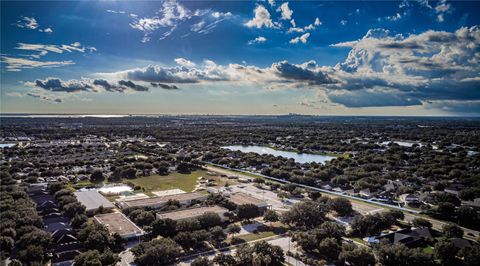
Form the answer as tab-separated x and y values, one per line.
363	206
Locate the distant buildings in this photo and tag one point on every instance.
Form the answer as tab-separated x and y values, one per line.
194	213
119	223
240	198
92	200
158	202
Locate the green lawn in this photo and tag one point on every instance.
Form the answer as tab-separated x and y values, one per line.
428	249
259	235
173	180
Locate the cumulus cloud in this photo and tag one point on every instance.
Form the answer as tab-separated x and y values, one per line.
259	39
184	62
285	11
271	3
302	38
17	64
261	18
317	22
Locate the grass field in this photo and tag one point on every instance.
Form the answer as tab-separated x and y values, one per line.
173	180
260	235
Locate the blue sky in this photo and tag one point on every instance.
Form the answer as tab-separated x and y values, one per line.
241	57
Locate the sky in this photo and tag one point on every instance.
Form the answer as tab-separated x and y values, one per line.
405	58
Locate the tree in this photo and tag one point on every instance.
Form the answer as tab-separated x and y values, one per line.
224	260
164	227
329	248
470	255
143	218
398	254
94	258
209	220
420	222
78	221
468	216
71	209
163	251
217	234
445	251
201	261
97	176
356	256
261	253
342	206
233	229
32	255
446	209
307	213
271	216
183	168
96	236
451	230
247	211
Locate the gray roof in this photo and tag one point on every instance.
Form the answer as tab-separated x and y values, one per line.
92	200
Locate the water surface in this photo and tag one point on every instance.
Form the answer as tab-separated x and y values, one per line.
298	157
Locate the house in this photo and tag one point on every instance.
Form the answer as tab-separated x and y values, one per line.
474	204
408	237
408	198
338	189
454	189
194	213
118	223
366	193
460	243
92	200
158	202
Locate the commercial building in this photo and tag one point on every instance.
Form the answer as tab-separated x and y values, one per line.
158	202
119	223
240	198
92	200
193	213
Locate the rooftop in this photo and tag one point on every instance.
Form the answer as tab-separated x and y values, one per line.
92	200
240	198
191	213
119	223
163	199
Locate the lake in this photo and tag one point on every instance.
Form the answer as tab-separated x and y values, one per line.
298	157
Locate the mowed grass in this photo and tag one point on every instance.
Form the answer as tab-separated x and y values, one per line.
259	235
185	182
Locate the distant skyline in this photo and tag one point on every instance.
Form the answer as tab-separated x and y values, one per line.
401	58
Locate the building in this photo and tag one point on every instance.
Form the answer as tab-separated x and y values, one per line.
240	198
92	200
193	213
119	223
408	237
408	198
158	202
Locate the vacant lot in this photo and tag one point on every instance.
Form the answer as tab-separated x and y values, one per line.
173	180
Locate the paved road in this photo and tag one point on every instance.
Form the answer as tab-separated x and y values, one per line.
363	206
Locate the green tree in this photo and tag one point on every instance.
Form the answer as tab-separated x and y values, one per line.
222	259
97	176
446	252
247	211
421	222
452	230
342	206
233	229
201	261
356	256
163	251
271	216
209	220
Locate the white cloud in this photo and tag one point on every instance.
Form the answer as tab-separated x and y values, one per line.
217	14
44	49
48	30
302	38
184	62
441	9
259	39
261	18
343	22
27	23
17	64
286	11
317	22
271	2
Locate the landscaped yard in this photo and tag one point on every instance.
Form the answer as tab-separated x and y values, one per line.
259	235
173	180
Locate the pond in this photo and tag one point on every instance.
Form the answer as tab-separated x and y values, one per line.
298	157
7	145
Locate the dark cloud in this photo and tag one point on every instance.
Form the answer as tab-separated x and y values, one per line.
44	97
57	85
372	98
131	85
301	73
164	86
